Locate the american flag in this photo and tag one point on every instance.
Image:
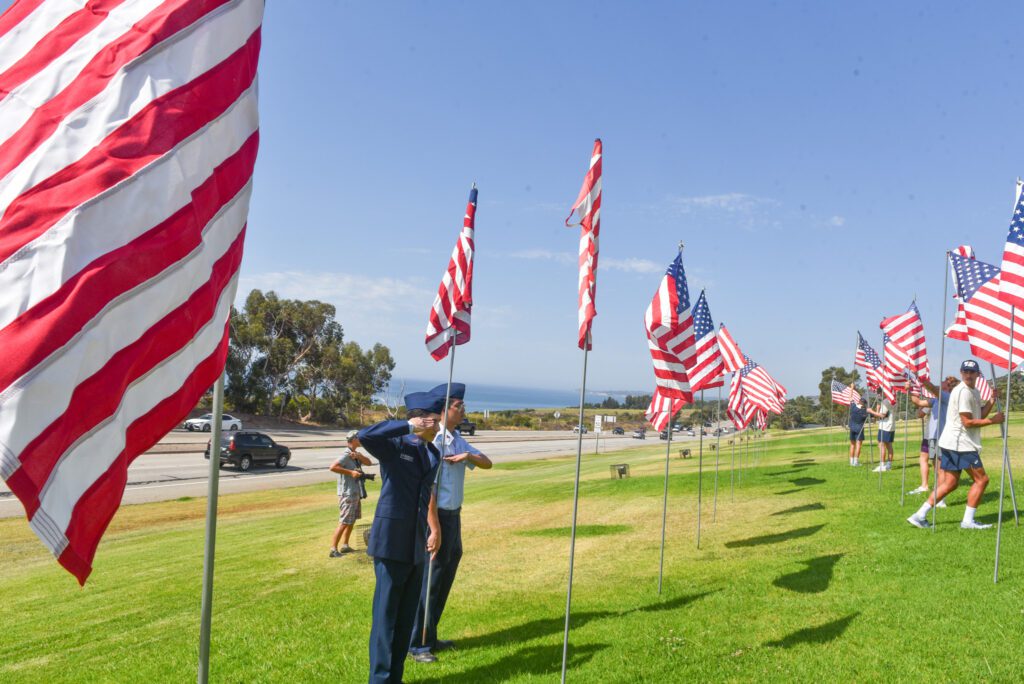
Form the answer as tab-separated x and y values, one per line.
731	354
669	326
984	389
760	388
588	209
127	143
739	410
1011	280
842	394
906	331
762	420
917	388
958	330
868	359
450	314
987	318
708	370
661	410
896	362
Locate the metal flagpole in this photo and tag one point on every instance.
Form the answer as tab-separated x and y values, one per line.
718	450
732	470
938	404
1006	452
664	505
849	406
871	445
831	447
700	464
213	485
437	476
575	510
906	425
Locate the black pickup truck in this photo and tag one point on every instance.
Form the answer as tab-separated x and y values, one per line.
467	428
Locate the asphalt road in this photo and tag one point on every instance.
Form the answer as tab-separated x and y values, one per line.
176	467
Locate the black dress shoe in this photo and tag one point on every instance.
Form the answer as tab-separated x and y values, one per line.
444	645
424	657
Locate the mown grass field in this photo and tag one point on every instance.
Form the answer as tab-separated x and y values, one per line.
806	572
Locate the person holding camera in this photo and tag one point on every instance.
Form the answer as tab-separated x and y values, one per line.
351	492
458	455
399	538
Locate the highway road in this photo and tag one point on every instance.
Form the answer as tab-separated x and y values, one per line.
176	467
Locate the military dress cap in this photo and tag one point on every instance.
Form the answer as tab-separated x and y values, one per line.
970	365
458	391
426	401
351	434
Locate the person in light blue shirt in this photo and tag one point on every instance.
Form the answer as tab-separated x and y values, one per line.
458	455
936	423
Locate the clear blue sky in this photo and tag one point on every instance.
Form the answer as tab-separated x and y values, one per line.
816	158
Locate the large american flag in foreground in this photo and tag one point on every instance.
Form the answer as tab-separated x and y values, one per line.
669	325
754	392
450	314
588	208
127	143
986	323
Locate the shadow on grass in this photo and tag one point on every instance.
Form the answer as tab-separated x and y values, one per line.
802	509
785	472
789	491
804	461
807	481
556	624
821	634
775	538
813	579
541	661
581	531
803	451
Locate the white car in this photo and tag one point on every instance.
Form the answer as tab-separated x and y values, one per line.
204	423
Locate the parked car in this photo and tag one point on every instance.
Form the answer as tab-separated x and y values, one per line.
640	433
467	428
204	423
663	434
576	429
618	431
691	433
246	449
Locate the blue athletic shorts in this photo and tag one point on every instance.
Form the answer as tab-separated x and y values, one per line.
960	460
857	435
886	436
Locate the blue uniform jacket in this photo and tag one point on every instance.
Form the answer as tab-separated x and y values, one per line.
407	469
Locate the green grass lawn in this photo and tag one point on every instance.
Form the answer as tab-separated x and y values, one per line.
806	572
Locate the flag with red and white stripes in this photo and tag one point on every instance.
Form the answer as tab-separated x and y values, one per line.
669	325
987	318
906	331
984	388
868	359
731	354
707	370
739	410
450	314
958	330
895	364
843	394
661	409
760	387
762	420
588	209
127	143
917	388
1011	280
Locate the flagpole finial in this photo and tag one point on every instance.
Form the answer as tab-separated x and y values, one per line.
681	246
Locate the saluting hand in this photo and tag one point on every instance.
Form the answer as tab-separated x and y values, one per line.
422	423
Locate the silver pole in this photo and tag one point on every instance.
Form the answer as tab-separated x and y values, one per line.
1006	451
575	510
831	448
437	476
938	404
213	485
664	505
906	424
732	470
718	450
700	464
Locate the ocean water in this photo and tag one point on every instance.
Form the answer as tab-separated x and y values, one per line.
502	397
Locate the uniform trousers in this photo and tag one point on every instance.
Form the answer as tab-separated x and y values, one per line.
394	610
442	576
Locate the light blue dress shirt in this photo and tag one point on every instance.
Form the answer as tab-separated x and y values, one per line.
451	482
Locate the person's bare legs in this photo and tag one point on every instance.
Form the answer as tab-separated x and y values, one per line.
948	481
346	532
977	489
336	536
924	471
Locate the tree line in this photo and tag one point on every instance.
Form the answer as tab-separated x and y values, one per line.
288	358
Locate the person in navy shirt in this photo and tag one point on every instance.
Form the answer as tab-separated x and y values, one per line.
399	537
457	455
858	416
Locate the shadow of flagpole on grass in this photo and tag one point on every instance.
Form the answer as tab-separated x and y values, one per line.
813	579
802	509
532	660
775	538
822	634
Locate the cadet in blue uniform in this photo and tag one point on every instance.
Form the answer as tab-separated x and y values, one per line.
458	455
399	541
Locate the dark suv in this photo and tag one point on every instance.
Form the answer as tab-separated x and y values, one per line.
467	428
245	448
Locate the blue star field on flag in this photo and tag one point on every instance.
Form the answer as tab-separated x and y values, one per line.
675	271
971	274
702	323
869	354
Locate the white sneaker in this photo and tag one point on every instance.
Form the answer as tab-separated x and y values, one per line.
919	490
941	504
856	464
879	469
888	466
973	526
919	522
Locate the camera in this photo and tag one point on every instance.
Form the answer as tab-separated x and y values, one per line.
369	476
